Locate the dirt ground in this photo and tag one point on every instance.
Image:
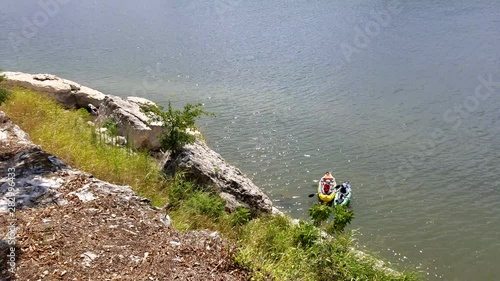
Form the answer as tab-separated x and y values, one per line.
111	238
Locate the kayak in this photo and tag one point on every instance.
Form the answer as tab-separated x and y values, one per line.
326	197
343	199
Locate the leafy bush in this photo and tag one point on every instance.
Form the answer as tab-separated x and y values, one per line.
180	190
305	234
240	216
202	203
200	210
111	126
270	249
176	124
329	259
192	207
269	236
83	113
4	93
319	213
276	239
342	217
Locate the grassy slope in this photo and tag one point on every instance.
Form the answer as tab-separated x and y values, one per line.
269	246
67	135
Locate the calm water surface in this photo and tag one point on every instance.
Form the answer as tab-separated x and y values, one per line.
298	90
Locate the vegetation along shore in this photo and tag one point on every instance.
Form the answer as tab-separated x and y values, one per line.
121	188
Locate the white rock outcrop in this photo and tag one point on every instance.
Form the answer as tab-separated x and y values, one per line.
208	168
131	122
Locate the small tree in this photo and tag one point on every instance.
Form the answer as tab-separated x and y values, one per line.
176	124
319	213
342	217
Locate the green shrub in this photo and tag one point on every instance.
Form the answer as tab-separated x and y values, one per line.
111	126
4	93
270	235
275	241
319	213
176	124
85	115
305	235
240	216
342	217
200	210
328	258
180	190
202	203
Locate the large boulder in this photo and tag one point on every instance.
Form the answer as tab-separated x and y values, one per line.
208	168
131	122
66	92
86	96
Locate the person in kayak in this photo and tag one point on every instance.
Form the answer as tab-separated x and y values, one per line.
344	191
327	188
328	176
328	184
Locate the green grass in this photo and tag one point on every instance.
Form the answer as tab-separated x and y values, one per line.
270	247
66	134
275	249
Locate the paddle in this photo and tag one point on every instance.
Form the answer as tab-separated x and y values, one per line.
313	194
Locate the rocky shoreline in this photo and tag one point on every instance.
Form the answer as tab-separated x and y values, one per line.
50	194
201	163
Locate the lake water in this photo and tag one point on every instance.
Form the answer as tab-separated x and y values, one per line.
402	98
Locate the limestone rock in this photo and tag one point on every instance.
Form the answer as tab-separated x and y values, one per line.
68	93
208	168
131	122
85	96
231	202
61	90
140	101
